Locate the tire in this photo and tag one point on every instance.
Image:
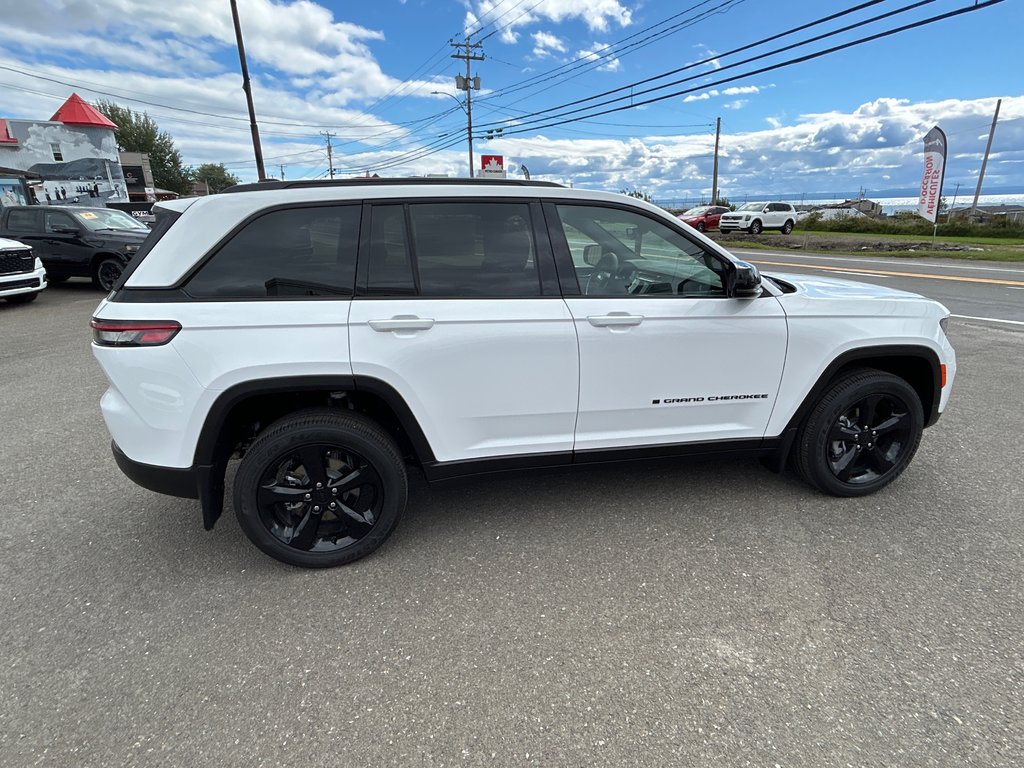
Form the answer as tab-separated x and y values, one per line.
22	298
835	455
787	228
755	227
106	272
341	447
701	226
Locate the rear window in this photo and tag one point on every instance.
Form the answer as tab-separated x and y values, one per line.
23	221
291	253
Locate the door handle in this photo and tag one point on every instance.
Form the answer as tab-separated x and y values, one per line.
403	323
614	319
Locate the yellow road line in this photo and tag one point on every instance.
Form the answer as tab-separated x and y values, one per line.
961	279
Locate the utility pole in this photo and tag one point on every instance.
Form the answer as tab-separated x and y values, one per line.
330	151
282	171
988	148
257	150
468	84
714	177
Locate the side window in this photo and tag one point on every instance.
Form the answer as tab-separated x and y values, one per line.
23	221
55	220
389	265
291	253
474	249
622	253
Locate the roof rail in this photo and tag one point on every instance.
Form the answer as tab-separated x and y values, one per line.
392	181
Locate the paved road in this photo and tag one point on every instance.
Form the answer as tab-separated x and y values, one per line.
695	614
978	289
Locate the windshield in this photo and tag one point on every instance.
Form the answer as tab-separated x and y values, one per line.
751	207
109	219
697	211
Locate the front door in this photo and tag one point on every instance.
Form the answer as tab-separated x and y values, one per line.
68	254
665	356
452	315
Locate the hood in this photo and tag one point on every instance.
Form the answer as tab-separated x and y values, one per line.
120	236
11	245
818	287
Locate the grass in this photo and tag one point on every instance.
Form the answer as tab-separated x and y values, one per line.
962	239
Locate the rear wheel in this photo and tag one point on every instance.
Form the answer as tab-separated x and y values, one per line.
107	272
320	488
787	227
755	227
701	226
861	434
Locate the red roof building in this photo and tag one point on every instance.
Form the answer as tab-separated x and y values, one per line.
76	111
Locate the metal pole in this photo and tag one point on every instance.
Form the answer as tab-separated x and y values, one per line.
330	152
257	150
468	56
714	177
984	162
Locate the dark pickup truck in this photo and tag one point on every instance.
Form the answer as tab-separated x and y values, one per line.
76	241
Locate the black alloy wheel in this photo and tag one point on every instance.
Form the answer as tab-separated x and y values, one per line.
755	227
108	272
861	434
320	488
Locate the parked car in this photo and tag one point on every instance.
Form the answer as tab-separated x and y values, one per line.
76	241
756	217
703	217
331	334
22	275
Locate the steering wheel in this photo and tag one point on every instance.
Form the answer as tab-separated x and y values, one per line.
605	268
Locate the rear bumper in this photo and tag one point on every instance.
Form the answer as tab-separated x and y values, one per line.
170	481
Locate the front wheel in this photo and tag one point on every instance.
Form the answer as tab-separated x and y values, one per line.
787	227
861	434
107	272
755	227
320	488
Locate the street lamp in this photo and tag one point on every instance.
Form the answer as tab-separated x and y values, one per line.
467	108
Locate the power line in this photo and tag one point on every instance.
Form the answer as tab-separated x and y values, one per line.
979	5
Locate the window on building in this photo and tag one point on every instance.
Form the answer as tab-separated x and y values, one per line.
58	156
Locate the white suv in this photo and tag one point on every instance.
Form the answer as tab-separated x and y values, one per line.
331	334
22	275
757	217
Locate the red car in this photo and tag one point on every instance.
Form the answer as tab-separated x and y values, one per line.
704	217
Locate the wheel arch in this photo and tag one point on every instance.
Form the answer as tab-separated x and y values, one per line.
918	365
242	411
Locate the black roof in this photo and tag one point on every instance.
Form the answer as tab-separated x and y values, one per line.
380	182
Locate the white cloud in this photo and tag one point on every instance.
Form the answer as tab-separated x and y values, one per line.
598	15
599	52
545	42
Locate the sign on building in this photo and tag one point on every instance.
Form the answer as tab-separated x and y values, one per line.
492	166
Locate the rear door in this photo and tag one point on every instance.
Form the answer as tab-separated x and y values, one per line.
458	309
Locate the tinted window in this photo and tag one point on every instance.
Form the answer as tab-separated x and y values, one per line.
23	221
389	267
474	249
298	252
622	253
55	220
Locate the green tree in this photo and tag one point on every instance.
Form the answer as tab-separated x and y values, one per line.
637	194
138	132
216	176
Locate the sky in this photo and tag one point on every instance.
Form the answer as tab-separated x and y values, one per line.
380	79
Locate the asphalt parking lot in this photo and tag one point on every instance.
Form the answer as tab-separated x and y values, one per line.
706	613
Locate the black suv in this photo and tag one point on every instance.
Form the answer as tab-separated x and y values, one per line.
75	241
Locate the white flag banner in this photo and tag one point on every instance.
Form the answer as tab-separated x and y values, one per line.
934	171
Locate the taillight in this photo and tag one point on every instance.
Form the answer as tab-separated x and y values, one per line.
133	333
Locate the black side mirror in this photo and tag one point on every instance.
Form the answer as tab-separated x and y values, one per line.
746	281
